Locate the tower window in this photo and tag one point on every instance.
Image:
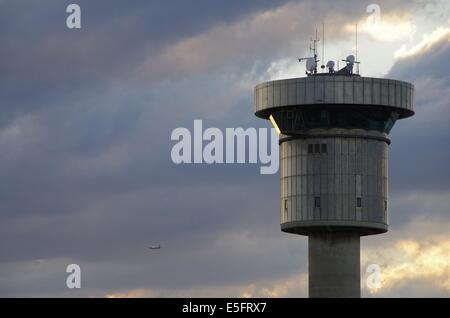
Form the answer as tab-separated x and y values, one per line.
285	204
358	202
317	148
317	202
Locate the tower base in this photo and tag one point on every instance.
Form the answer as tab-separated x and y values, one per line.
334	265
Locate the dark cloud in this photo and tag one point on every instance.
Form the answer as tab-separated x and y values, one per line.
42	62
419	158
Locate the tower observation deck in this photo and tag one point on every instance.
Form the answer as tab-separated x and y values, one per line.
334	166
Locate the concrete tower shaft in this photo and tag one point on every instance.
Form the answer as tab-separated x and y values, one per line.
334	166
334	269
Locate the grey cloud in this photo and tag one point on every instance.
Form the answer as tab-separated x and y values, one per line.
419	158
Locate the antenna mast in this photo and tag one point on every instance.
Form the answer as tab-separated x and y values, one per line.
311	62
356	48
314	50
323	46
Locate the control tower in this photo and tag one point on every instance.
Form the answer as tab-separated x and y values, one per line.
333	136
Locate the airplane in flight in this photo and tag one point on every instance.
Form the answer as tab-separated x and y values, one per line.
154	247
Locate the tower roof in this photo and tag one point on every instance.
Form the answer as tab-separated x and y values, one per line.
334	91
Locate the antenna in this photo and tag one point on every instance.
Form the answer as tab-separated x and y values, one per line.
323	46
356	41
311	62
356	48
348	69
330	66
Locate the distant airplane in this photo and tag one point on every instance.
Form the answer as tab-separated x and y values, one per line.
154	247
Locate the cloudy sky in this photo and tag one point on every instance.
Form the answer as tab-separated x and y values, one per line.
85	123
